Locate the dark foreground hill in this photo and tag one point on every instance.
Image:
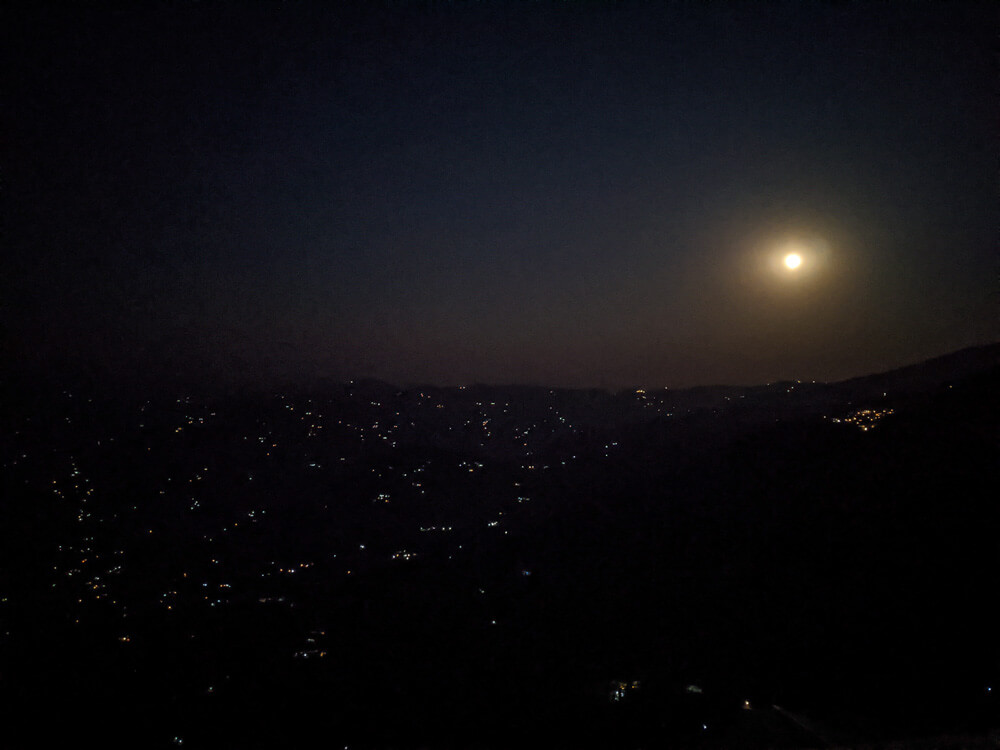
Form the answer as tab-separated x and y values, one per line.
794	565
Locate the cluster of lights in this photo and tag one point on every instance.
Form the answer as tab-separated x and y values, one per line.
620	689
864	419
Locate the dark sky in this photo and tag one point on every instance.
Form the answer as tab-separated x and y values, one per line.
578	194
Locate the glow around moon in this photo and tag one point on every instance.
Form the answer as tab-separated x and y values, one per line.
795	260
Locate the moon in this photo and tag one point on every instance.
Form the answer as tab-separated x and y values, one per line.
794	259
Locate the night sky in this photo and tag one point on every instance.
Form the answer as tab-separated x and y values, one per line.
569	194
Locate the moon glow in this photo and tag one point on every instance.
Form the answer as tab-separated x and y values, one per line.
793	261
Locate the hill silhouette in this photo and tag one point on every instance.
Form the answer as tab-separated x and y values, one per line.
788	565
